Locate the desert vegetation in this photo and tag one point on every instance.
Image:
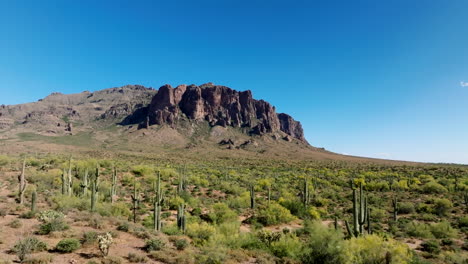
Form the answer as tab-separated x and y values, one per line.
63	209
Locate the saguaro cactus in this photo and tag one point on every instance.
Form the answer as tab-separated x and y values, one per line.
360	213
135	200
84	184
33	201
252	196
305	193
70	178
22	183
181	223
113	192
64	182
95	190
158	201
395	208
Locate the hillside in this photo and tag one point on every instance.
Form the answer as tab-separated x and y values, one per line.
190	122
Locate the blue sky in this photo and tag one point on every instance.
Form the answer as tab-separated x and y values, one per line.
369	78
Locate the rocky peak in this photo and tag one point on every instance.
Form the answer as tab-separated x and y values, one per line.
219	105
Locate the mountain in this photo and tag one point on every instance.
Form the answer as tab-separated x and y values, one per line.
187	122
137	105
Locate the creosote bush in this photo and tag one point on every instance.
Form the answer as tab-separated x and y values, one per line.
68	245
154	244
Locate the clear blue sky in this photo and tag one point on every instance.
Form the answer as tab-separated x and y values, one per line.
369	78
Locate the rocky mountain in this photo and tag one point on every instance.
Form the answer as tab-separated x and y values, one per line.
219	106
215	105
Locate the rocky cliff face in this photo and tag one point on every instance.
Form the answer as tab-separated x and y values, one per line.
219	105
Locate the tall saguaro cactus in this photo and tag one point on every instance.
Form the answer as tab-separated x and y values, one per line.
305	193
70	178
395	208
252	196
113	192
33	201
360	214
135	200
22	183
158	201
84	184
64	182
181	221
95	190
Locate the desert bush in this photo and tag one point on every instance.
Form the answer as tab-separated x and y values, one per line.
443	230
66	203
375	249
49	215
154	244
433	187
288	246
405	208
442	206
274	214
124	227
136	258
420	230
323	245
67	245
52	226
463	222
431	246
39	259
15	224
112	260
96	222
27	246
221	213
89	238
181	244
200	233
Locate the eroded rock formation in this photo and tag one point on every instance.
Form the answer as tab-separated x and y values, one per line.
219	105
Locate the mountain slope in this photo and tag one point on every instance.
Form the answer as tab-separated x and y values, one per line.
205	122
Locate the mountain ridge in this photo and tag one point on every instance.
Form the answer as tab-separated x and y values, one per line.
128	105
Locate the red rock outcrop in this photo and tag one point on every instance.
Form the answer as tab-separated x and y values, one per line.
219	105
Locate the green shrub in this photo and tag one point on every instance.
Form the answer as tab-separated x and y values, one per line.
222	213
154	244
200	233
442	206
181	244
135	258
49	215
39	259
27	246
89	238
405	208
431	246
463	222
112	260
52	226
323	245
68	245
420	230
433	187
288	246
443	230
124	227
375	249
274	214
